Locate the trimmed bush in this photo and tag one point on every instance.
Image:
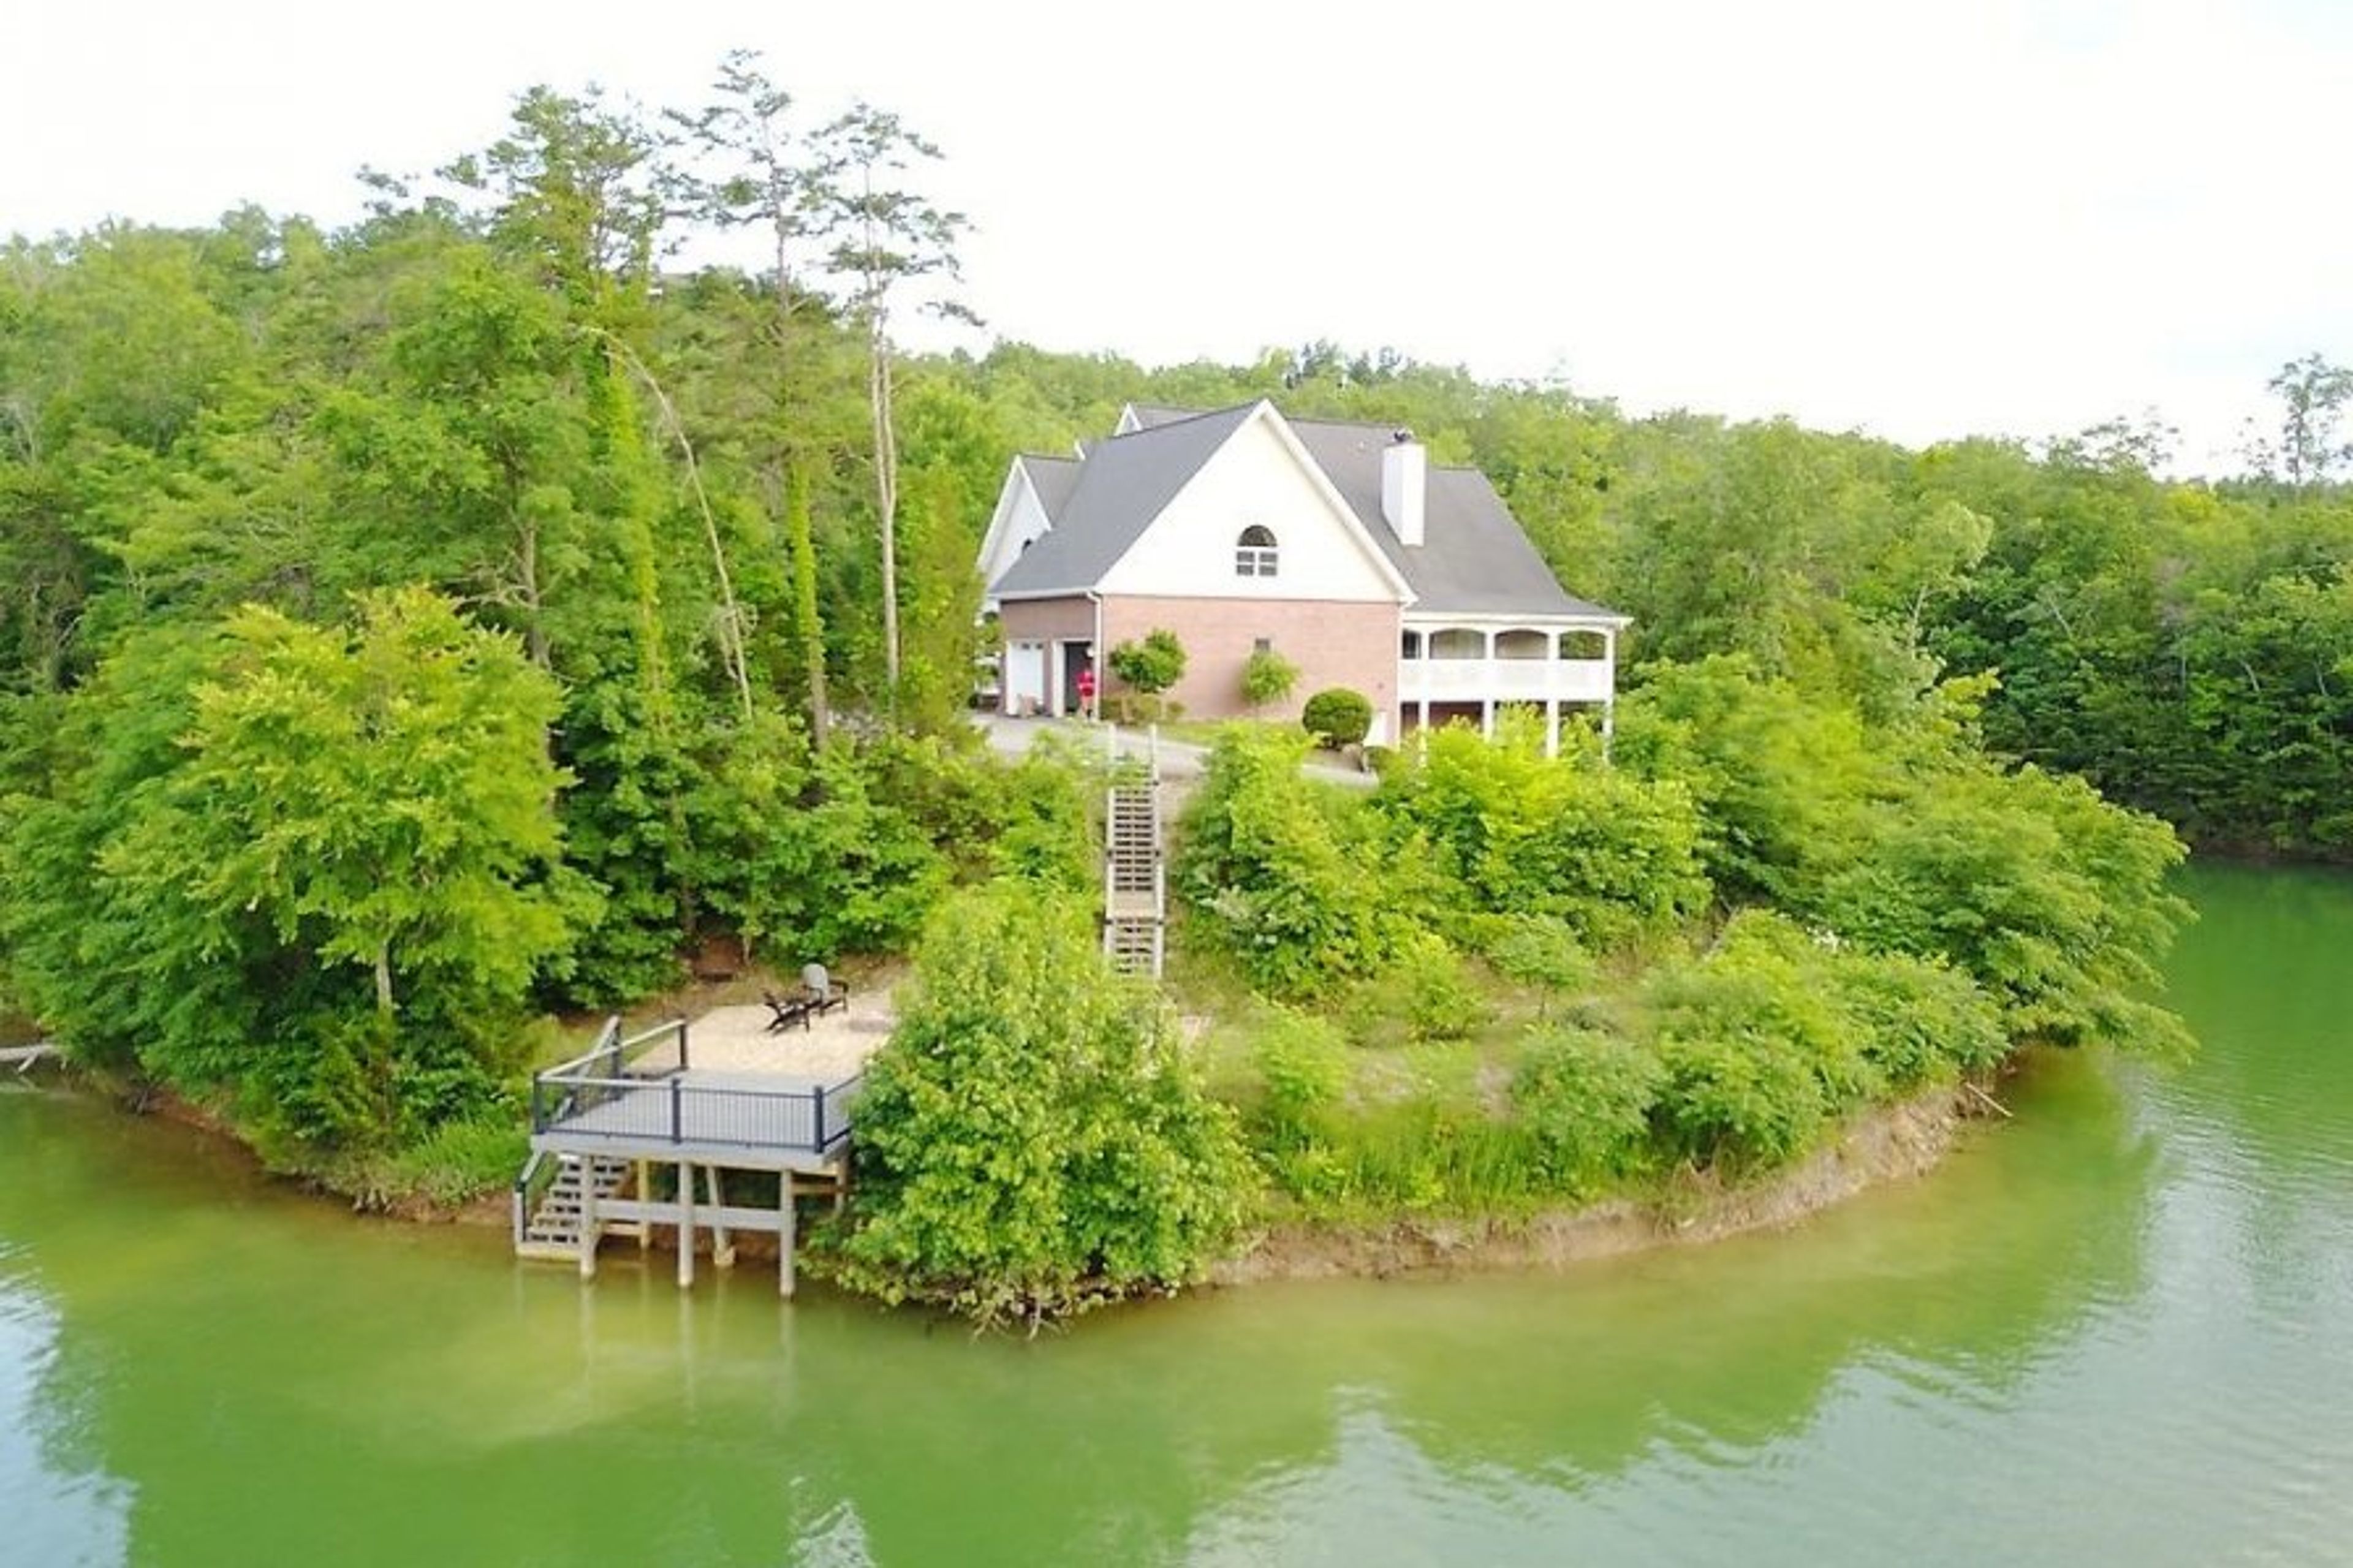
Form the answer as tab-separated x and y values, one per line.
1268	678
1151	666
1337	717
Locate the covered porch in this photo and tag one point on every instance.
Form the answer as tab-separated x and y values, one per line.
1456	666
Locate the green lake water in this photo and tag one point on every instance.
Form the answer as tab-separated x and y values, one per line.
2117	1330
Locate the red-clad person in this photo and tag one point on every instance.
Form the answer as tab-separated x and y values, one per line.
1086	691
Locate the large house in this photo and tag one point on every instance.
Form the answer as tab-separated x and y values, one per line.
1339	546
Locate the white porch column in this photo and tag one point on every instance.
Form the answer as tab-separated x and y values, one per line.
1610	692
1552	694
1487	684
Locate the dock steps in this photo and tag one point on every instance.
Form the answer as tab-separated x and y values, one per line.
553	1233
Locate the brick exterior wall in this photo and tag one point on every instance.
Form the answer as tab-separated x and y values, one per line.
1333	643
1046	620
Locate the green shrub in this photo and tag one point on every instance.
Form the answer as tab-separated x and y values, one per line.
1585	1098
1569	839
1045	819
837	851
1294	877
1779	1029
1769	982
1907	838
457	1162
1032	1140
1303	1067
1738	1103
1268	677
1151	666
1337	717
2051	899
1539	952
1921	1021
1424	994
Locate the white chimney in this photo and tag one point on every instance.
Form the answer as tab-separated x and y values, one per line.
1404	485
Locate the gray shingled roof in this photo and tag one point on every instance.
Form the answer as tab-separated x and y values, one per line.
1152	415
1473	559
1054	478
1126	482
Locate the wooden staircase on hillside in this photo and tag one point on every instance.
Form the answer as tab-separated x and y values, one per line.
1136	879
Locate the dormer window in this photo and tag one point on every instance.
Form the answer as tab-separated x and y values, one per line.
1254	552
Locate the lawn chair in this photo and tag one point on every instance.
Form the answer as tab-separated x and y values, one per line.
823	991
794	1008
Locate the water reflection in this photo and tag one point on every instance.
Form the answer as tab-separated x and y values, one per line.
57	1503
270	1371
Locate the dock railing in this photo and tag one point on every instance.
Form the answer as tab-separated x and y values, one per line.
635	1091
611	1068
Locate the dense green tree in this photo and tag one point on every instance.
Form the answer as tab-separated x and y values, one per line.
1032	1140
311	869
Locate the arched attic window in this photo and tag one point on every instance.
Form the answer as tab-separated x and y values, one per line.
1254	552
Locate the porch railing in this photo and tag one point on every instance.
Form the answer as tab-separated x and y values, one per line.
1562	679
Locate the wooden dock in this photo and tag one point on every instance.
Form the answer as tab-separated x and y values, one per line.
25	1059
604	1123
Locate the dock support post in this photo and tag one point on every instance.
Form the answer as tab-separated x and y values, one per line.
685	1225
723	1245
645	1191
785	1235
588	1223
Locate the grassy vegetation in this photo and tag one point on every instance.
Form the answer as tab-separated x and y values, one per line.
1502	982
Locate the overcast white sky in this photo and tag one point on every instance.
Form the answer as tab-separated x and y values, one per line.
1921	219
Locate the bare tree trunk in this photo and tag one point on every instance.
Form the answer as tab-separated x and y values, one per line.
535	630
886	497
731	642
810	625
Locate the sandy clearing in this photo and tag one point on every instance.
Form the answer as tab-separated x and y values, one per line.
833	1048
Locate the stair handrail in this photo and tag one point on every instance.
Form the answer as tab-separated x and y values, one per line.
538	1172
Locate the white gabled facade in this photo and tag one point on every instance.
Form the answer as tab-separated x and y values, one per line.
1259	478
1019	521
1337	599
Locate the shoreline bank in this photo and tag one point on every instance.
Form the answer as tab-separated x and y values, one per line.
1888	1143
1885	1145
